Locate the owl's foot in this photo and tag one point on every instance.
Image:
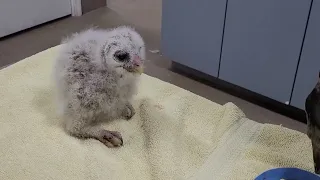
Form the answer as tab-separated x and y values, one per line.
110	138
128	111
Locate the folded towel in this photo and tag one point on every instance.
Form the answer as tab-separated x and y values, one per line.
246	153
174	135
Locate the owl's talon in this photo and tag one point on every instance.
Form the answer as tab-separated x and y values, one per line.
129	112
110	138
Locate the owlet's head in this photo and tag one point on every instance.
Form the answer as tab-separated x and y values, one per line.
124	51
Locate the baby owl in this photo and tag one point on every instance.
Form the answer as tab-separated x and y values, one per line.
96	74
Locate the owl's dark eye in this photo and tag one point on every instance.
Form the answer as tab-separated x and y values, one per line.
122	56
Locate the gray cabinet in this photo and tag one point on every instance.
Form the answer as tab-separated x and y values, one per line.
271	47
192	32
309	66
261	46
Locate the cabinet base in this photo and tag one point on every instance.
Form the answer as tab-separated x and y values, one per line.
255	98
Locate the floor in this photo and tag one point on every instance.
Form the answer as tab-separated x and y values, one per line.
145	15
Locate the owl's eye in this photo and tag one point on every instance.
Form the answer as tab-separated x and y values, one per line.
122	56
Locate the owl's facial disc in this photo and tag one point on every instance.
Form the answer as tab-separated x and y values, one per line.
131	63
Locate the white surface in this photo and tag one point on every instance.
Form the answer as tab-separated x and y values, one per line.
16	15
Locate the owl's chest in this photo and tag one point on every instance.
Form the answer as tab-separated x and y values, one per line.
127	87
114	88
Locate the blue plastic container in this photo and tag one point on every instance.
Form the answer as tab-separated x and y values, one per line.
287	174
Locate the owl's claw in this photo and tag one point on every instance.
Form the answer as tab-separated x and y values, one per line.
110	138
128	112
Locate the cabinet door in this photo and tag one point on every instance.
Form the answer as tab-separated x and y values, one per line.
17	15
192	32
309	65
262	42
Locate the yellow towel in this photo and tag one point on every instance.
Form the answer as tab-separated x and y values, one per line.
247	153
174	135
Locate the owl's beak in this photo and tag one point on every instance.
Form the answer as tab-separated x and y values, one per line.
136	62
135	65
